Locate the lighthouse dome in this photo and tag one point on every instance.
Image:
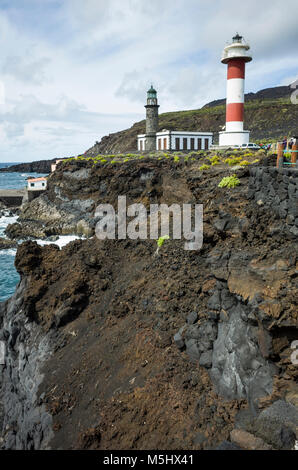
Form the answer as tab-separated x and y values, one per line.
236	50
152	97
152	92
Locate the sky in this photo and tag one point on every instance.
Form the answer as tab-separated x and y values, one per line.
72	71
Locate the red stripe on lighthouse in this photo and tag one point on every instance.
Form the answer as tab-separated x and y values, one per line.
236	68
235	112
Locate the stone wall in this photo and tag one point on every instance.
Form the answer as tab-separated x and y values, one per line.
151	119
276	189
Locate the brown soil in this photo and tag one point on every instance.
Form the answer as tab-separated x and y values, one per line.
116	379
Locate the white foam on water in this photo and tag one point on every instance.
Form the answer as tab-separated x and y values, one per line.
5	220
63	240
8	251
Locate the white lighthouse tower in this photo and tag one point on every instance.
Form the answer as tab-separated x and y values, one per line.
235	55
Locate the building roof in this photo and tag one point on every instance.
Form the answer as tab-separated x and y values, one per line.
41	178
151	90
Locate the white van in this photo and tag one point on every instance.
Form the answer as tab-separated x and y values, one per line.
250	146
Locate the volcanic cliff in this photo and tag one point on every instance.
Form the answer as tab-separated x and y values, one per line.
109	346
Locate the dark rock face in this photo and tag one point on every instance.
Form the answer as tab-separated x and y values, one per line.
97	319
229	346
276	425
25	424
41	166
238	368
278	190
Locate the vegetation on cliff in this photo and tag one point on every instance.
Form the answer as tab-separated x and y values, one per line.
132	365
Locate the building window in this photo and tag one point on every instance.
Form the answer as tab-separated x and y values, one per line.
192	144
177	145
199	144
32	184
159	144
184	143
42	184
141	145
165	144
206	144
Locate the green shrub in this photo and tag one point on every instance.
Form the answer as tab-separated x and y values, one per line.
161	240
229	182
233	161
204	167
214	160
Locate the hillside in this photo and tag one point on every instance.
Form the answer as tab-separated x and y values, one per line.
268	114
266	94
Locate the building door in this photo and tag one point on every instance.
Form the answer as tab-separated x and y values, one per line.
206	144
165	144
177	143
184	143
199	144
192	144
141	145
159	144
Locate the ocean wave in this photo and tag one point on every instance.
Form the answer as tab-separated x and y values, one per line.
63	240
8	252
5	221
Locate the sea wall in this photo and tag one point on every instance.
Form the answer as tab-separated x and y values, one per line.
276	189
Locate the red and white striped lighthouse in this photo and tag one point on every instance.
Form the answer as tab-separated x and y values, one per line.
235	55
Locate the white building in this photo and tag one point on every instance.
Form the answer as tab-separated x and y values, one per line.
37	184
178	140
168	140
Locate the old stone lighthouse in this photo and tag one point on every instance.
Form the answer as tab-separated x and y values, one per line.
168	139
149	142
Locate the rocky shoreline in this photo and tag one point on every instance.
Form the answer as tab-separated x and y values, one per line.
110	347
41	166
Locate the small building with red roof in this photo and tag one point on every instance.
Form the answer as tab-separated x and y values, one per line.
37	184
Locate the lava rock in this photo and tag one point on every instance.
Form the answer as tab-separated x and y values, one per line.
206	359
192	318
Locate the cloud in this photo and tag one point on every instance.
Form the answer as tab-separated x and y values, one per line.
74	71
32	71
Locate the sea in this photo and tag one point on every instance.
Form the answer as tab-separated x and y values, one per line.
9	277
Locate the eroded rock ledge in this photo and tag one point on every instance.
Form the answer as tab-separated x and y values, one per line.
100	321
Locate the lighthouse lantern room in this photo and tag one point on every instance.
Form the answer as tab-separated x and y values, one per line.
235	55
